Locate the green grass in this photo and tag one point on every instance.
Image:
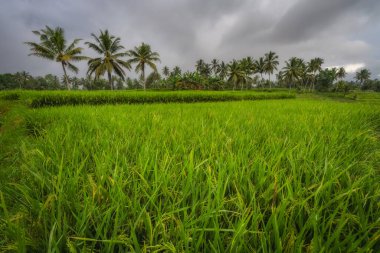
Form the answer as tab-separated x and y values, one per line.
245	176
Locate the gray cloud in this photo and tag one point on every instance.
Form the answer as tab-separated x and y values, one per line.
307	19
341	31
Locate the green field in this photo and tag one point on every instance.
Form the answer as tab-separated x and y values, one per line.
284	175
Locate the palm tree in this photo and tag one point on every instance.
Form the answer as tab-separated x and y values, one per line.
222	70
142	55
215	66
108	46
305	75
280	78
206	71
362	76
341	74
334	74
314	66
53	46
199	65
22	77
271	63
166	71
247	65
259	66
176	71
203	68
292	71
235	74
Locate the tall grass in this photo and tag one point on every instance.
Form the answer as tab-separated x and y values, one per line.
262	176
37	99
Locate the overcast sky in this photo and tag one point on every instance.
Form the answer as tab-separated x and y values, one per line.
343	32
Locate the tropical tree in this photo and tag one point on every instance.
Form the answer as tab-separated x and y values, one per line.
341	74
270	64
259	66
247	65
202	68
176	71
314	66
199	65
53	46
22	77
305	75
326	79
236	74
108	46
166	71
280	78
292	71
152	81
143	55
222	70
215	66
362	76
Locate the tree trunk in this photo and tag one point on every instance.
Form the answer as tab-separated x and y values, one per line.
270	85
65	77
110	80
143	76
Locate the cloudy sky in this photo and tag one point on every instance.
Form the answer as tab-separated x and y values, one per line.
343	32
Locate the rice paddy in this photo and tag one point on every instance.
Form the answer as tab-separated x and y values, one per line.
293	175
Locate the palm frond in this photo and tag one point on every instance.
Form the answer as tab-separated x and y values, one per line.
72	67
95	47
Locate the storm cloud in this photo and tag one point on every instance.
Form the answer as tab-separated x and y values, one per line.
343	32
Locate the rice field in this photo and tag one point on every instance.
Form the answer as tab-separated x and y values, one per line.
294	175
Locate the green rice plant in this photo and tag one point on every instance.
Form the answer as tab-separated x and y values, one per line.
244	176
98	98
36	99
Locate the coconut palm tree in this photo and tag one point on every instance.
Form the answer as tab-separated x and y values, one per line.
199	65
292	71
222	70
334	74
166	71
108	46
247	65
280	78
143	55
176	71
341	74
259	66
314	66
22	77
270	64
236	74
53	46
203	68
215	66
305	75
362	76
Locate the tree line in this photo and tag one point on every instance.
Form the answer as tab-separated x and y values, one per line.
114	60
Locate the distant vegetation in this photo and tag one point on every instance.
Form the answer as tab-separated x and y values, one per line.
51	98
114	61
